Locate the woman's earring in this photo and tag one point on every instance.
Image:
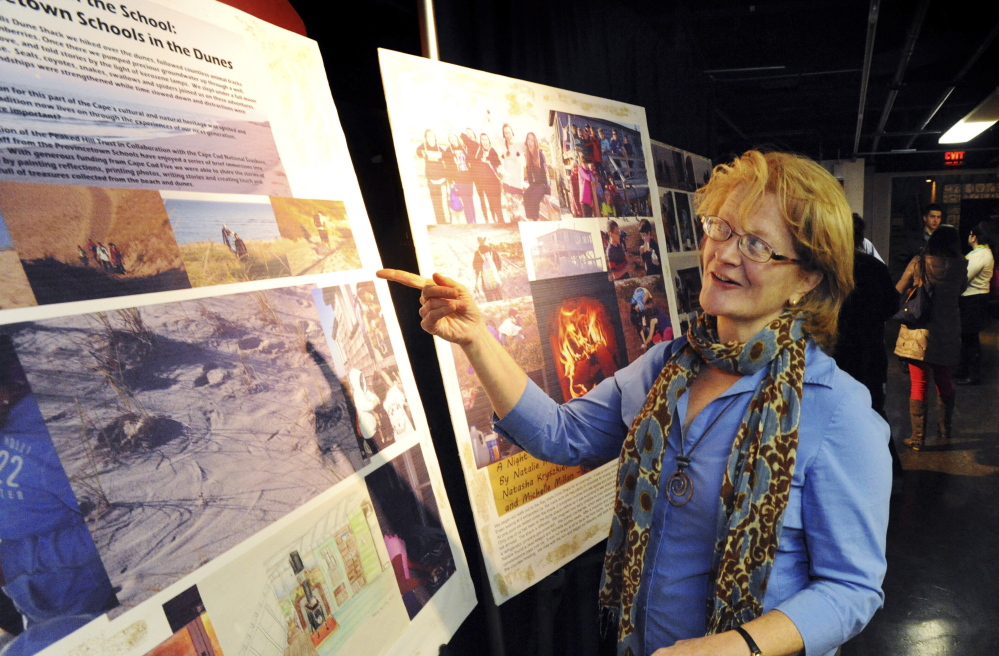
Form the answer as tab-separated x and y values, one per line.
794	300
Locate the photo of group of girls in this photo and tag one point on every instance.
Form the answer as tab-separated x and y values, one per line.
601	167
474	179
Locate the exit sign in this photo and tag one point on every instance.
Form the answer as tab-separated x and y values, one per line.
954	158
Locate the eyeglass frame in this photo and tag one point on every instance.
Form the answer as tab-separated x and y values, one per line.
776	257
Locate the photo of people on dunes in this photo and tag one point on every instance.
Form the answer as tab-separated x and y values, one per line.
16	290
184	428
81	243
226	239
320	235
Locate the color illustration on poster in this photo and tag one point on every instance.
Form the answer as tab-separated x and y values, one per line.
541	202
213	420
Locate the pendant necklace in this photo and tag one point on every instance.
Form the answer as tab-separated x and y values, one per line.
679	487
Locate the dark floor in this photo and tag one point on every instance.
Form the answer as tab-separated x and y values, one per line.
943	538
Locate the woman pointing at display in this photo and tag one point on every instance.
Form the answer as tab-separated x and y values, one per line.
753	476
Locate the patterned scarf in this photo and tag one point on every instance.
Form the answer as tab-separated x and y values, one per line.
755	488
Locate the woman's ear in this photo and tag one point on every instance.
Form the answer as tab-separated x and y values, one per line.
809	280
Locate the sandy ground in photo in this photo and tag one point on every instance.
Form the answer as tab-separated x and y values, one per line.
15	291
50	221
228	421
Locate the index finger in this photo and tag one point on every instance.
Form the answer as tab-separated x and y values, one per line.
404	277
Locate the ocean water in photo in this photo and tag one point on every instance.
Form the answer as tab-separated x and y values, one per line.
201	220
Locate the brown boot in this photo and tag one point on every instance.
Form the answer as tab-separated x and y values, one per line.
945	416
917	414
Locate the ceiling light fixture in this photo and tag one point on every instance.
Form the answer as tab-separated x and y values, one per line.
977	121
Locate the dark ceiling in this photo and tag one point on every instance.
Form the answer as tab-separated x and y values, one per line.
810	55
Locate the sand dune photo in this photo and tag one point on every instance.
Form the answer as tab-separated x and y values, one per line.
80	243
321	233
187	427
16	290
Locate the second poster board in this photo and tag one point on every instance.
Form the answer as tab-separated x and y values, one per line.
543	203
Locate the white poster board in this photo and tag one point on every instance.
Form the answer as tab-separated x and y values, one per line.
210	417
565	263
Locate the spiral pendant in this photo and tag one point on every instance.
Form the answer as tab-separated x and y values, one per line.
679	488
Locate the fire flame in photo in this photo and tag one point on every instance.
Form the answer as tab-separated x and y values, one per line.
583	345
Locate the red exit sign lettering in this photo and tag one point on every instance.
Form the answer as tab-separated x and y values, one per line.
954	158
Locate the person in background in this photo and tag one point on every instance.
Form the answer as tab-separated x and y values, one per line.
775	512
935	347
432	155
860	347
459	174
649	249
867	246
512	170
486	173
617	252
974	304
932	218
536	174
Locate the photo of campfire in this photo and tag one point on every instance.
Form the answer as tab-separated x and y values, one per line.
582	337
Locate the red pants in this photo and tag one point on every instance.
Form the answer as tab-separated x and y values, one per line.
919	375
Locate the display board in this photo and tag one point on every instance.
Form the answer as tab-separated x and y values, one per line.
679	173
542	202
212	441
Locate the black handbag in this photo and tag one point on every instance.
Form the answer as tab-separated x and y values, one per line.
914	306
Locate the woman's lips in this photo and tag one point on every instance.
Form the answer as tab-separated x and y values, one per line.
725	282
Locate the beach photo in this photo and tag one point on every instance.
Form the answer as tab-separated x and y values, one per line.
600	167
554	249
410	522
322	241
644	308
365	363
184	428
16	291
227	239
83	243
488	259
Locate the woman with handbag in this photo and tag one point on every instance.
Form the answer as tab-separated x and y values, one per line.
936	344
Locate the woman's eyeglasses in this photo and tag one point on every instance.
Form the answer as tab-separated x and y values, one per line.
750	245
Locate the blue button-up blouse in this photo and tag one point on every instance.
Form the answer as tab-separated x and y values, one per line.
830	561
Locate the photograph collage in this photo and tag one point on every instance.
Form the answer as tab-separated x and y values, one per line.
568	268
150	441
678	175
543	203
67	243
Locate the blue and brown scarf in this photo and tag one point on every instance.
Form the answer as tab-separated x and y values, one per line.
755	488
